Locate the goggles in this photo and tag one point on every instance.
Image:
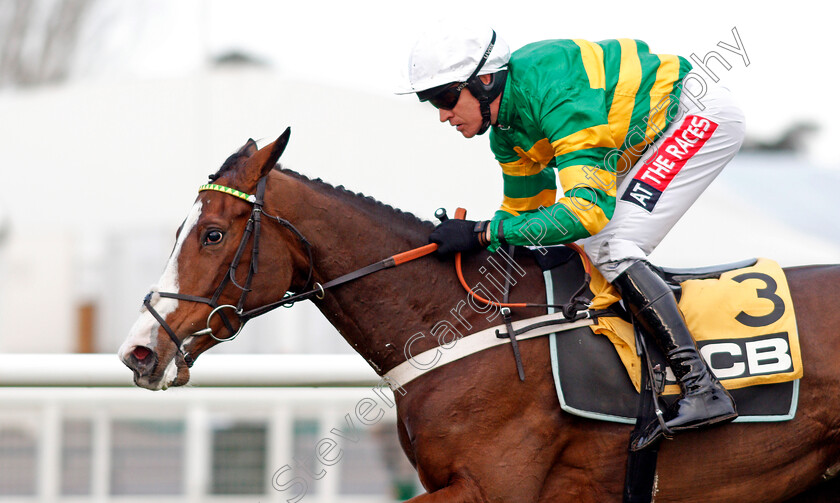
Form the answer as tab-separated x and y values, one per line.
443	97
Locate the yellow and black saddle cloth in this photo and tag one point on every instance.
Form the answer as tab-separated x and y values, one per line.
742	319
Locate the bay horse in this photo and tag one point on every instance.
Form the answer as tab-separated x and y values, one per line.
472	429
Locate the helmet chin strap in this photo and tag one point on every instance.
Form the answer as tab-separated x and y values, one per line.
484	106
485	94
477	89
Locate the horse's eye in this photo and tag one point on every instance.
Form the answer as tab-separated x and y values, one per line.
213	237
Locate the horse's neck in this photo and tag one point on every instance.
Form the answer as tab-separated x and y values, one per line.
379	313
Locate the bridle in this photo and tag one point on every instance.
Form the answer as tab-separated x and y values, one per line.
252	228
317	290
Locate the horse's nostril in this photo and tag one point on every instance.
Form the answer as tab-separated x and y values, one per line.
142	360
141	353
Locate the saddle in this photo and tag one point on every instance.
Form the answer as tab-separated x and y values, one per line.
741	315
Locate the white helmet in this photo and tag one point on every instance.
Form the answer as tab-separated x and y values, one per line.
442	56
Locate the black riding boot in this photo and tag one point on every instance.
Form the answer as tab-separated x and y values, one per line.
704	401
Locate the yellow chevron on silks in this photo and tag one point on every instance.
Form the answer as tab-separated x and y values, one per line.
592	56
624	97
744	325
531	162
589	214
595	136
587	176
546	197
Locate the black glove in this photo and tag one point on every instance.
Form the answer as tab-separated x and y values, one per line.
458	236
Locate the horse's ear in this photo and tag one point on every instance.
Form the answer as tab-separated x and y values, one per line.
250	148
276	150
261	162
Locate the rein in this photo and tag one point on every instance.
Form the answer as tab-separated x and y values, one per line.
253	227
570	309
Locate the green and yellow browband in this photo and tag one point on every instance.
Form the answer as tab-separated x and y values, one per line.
227	190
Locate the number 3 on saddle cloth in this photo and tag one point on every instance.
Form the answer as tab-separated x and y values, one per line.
742	320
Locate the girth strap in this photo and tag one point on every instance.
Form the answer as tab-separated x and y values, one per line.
506	315
467	345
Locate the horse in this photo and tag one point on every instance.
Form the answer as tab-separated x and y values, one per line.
472	429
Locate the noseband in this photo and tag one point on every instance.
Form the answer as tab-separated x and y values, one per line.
252	229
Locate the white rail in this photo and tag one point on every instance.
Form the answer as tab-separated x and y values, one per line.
41	394
209	370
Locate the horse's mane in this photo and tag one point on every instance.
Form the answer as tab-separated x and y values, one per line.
408	218
357	197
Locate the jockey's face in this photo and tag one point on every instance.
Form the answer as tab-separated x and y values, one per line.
466	116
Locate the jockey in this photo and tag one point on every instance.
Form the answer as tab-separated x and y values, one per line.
634	137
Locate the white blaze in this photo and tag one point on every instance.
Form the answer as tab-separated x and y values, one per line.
144	331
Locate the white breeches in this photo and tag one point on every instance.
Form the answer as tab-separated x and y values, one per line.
669	176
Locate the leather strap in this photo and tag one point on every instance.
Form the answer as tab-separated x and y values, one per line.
500	234
514	344
506	314
480	230
467	345
358	273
